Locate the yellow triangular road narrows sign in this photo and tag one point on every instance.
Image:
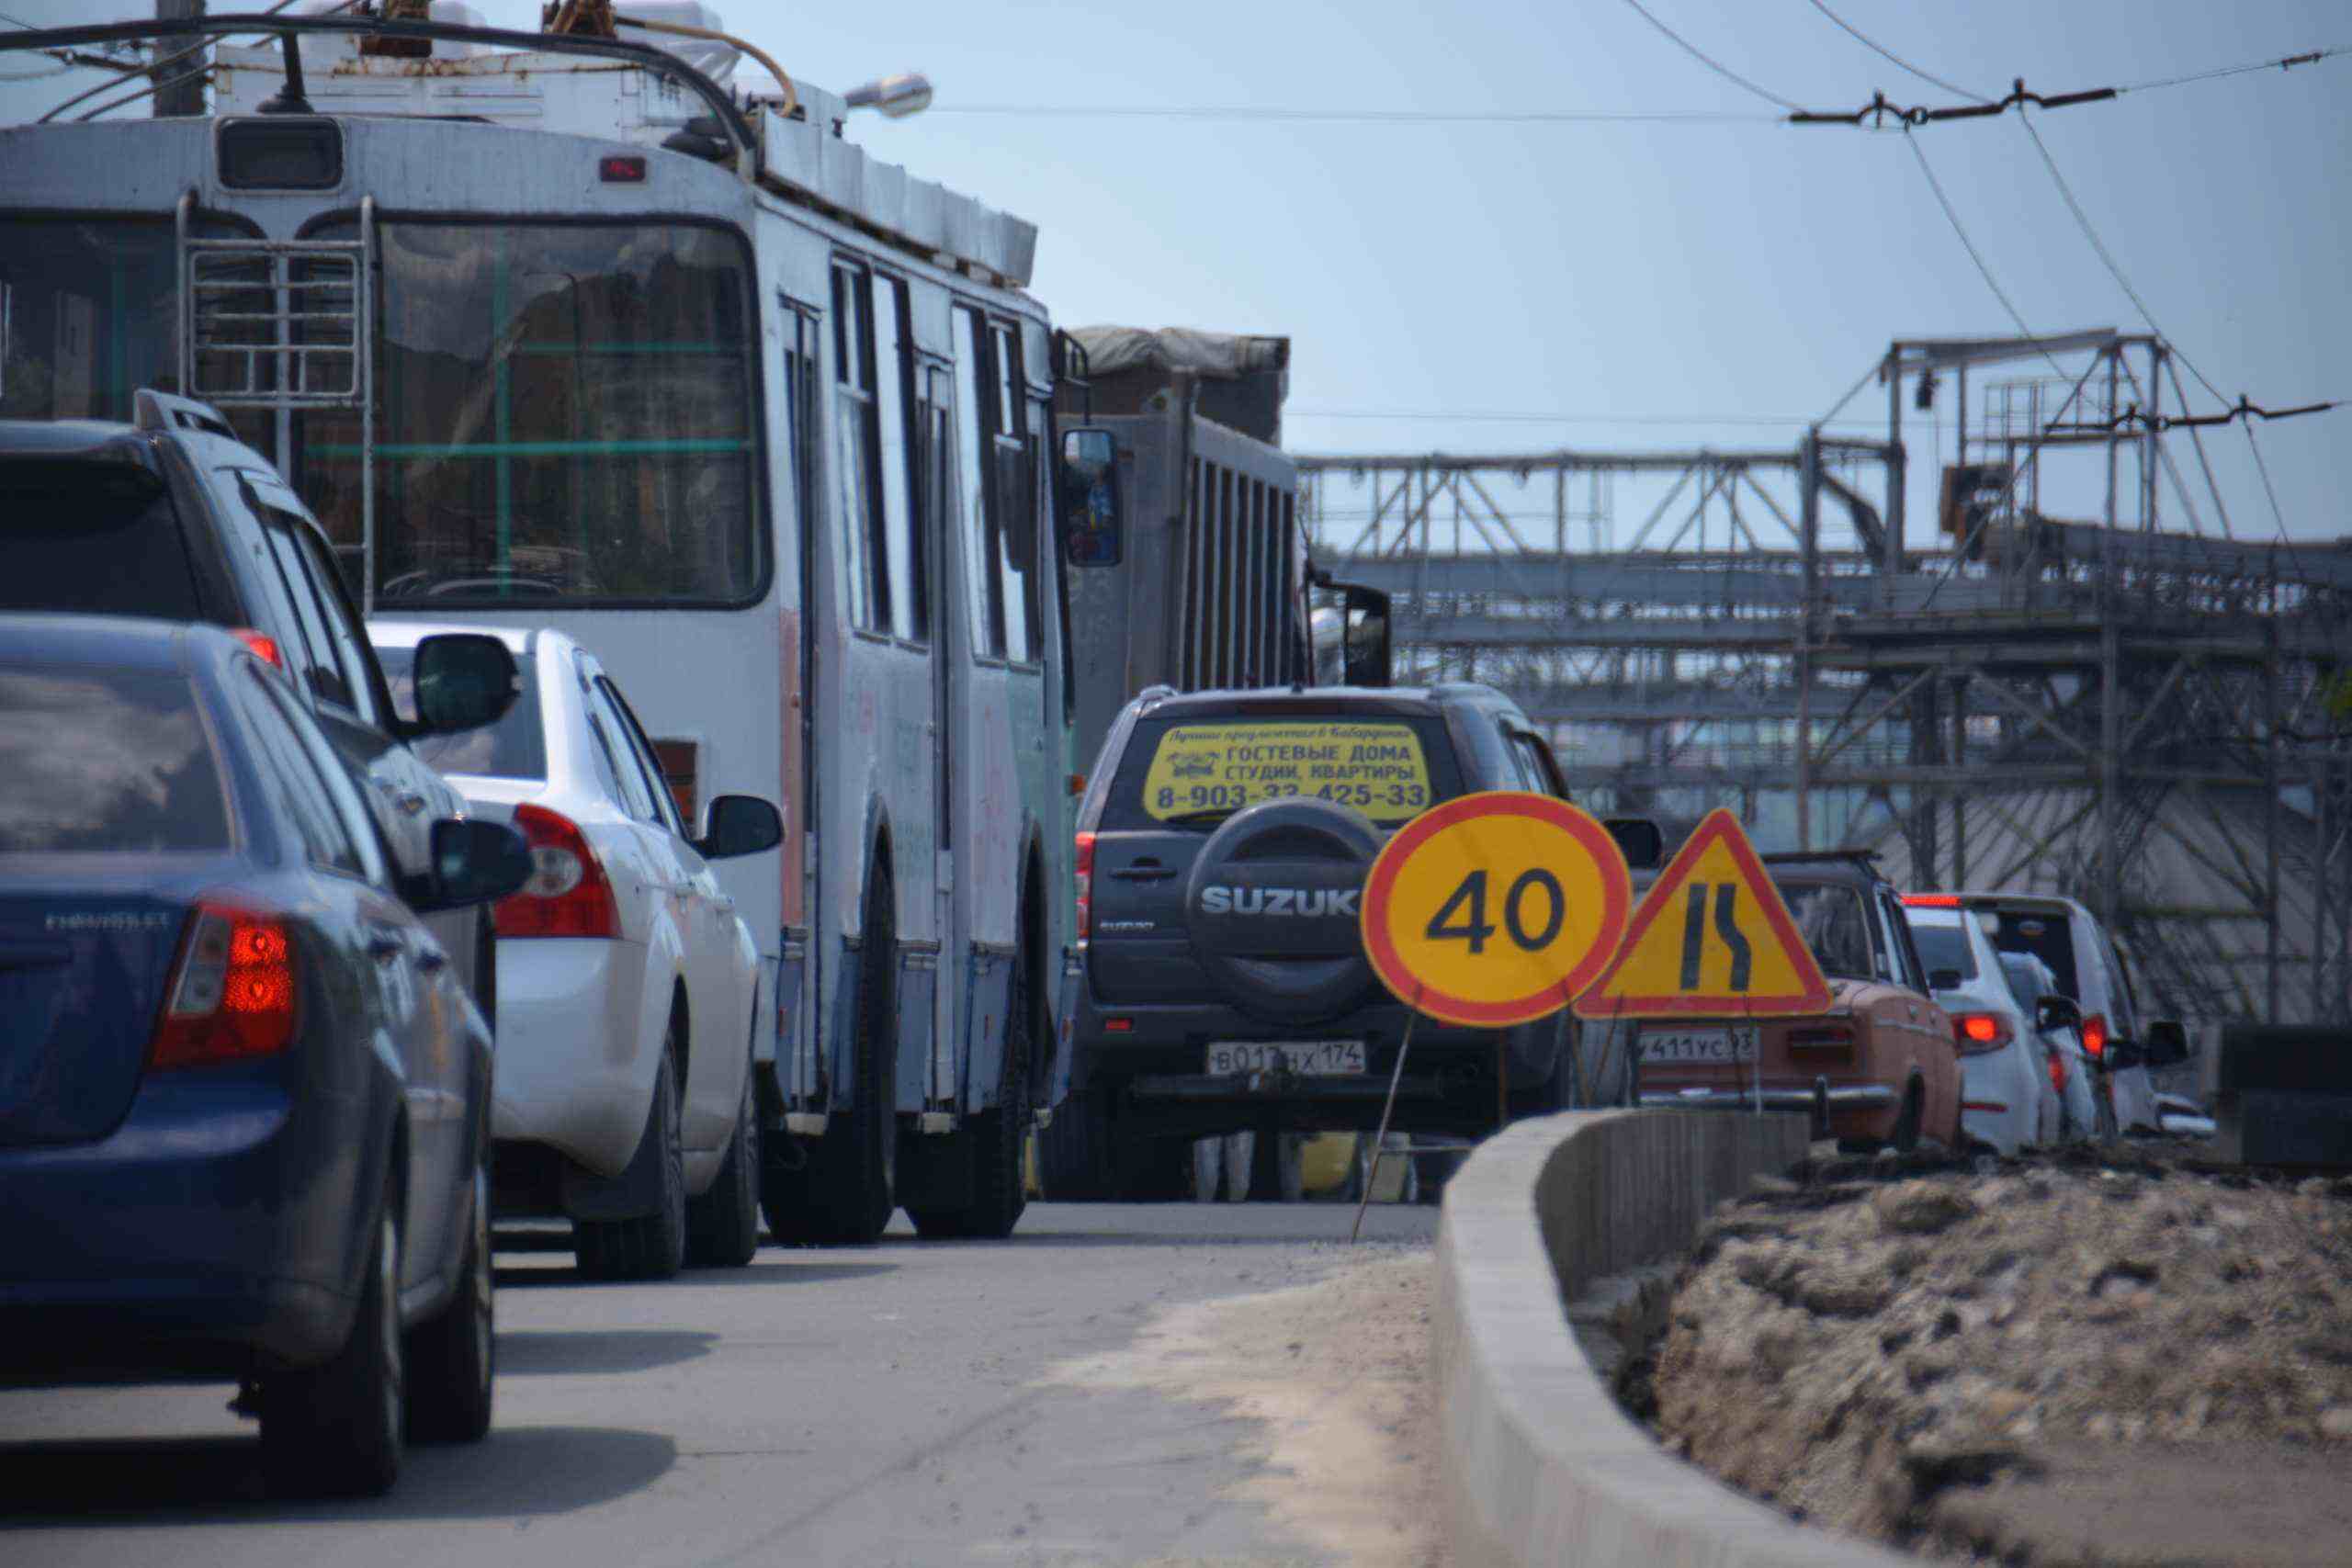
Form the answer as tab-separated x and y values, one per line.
1710	937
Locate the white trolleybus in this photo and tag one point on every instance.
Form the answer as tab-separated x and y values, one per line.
566	331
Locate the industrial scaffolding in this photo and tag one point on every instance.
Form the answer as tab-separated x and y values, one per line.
2085	681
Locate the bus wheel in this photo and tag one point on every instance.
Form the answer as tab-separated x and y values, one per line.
998	1195
860	1146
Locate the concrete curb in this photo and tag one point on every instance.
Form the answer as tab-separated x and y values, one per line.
1538	1466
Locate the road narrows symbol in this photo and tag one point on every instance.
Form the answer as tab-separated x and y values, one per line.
1694	935
1727	928
1712	935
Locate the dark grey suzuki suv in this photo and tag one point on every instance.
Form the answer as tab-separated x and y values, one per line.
1220	984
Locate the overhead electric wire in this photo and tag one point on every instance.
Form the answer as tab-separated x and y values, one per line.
1982	267
2083	221
1499	417
1720	69
2278	514
1876	113
159	86
2114	270
1359	116
1880	110
1890	55
66	60
2311	57
2243	412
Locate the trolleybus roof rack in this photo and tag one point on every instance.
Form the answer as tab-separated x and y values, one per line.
552	82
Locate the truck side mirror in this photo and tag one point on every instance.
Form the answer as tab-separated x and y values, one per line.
1363	637
1093	525
2166	1045
1639	840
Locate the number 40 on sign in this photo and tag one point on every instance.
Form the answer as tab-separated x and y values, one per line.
1495	908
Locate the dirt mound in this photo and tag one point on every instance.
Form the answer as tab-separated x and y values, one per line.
2106	1356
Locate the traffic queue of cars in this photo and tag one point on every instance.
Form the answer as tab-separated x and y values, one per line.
252	1122
1222	847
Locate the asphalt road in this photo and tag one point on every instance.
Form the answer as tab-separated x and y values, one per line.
898	1404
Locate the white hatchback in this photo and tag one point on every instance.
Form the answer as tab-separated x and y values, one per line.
2012	1097
627	985
2087	1113
2089	971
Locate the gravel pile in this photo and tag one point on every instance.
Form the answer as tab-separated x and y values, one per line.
2104	1356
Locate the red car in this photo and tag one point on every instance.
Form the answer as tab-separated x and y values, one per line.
1879	1068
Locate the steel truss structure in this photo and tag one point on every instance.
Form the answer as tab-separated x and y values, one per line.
2129	705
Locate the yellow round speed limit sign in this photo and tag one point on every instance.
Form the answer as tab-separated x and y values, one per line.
1495	908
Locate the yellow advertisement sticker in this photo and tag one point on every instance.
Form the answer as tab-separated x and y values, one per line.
1379	768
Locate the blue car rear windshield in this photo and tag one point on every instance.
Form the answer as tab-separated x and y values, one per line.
106	760
513	747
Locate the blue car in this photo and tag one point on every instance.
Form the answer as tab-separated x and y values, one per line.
245	1104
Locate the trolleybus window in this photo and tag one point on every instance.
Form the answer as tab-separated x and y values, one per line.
564	413
1013	520
799	456
999	490
983	591
905	589
858	459
89	312
935	483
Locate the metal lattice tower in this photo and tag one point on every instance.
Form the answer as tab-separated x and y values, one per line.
2126	705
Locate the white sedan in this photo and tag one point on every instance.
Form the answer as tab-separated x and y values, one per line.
627	982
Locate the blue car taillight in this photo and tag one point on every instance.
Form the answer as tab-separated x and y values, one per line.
231	995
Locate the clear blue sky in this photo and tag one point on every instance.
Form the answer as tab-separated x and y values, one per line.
1749	270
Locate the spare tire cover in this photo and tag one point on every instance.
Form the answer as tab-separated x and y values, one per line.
1272	909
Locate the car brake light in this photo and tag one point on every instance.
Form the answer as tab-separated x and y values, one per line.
1932	900
2095	1034
264	646
232	996
2057	1072
1085	884
1119	1025
568	894
1977	1032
